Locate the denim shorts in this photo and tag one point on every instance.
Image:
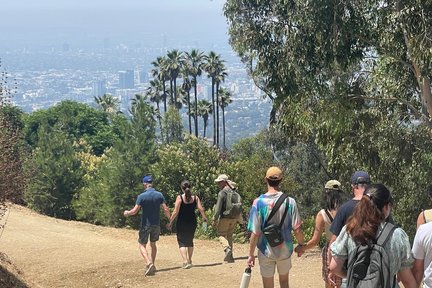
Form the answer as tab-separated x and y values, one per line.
153	231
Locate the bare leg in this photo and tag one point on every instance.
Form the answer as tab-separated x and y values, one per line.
283	281
153	251
268	282
190	253
144	254
183	253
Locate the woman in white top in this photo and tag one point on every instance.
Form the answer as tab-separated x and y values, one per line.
333	196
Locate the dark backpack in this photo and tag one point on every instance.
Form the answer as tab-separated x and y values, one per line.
369	265
233	205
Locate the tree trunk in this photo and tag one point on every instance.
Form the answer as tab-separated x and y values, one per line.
196	108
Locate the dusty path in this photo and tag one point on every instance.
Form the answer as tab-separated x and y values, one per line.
57	253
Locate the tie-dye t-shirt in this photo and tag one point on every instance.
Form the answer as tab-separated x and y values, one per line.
259	212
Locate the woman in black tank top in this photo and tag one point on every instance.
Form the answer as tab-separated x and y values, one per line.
184	211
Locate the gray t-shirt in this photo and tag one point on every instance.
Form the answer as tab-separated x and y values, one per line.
422	249
398	249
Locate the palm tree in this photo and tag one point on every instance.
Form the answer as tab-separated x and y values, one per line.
155	92
194	60
224	101
212	66
108	103
174	63
204	109
186	86
219	77
160	72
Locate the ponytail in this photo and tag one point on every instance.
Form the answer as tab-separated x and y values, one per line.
185	186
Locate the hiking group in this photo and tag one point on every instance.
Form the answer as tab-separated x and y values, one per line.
364	247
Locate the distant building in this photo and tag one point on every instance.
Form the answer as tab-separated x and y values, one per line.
99	88
126	79
143	76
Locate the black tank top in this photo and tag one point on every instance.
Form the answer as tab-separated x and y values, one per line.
187	212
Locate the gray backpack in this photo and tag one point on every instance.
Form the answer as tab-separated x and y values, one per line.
233	205
369	265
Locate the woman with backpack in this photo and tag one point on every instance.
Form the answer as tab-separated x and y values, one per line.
333	197
184	208
377	251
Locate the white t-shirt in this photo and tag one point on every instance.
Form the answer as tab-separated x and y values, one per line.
422	249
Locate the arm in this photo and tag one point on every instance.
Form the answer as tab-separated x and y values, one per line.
218	207
166	210
420	219
417	270
299	236
407	278
133	211
253	244
337	267
319	228
175	212
201	209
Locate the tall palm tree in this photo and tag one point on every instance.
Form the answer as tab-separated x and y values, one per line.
204	109
224	101
174	63
160	71
219	78
212	66
187	86
108	103
155	92
195	61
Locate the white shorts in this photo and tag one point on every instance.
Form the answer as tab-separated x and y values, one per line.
267	265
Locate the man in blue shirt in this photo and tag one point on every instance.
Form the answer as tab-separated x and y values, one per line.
150	201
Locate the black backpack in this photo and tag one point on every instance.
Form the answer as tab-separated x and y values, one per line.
369	265
233	205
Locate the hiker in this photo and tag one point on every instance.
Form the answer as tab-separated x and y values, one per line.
422	253
275	246
150	202
225	224
368	221
184	208
333	196
426	215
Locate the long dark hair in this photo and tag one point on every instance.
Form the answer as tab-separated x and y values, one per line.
368	214
185	187
333	198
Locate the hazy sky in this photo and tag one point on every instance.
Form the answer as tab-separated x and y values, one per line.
28	23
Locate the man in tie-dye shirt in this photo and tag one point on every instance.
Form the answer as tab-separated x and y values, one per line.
279	256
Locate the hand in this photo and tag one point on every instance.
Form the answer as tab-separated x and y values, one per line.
299	250
251	261
169	226
126	213
331	279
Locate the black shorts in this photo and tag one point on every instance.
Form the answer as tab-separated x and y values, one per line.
152	231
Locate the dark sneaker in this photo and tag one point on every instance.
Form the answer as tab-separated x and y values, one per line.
151	270
228	255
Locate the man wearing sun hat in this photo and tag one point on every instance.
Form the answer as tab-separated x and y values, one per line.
150	201
225	226
279	256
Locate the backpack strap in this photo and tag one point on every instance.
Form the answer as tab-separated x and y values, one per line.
385	234
328	215
283	217
278	203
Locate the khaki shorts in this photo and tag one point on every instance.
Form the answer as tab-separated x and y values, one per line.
267	265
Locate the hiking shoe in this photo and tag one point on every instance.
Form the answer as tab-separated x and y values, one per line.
151	269
188	266
228	255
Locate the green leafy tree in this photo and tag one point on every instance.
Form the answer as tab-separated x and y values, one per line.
160	72
354	78
108	103
172	125
224	97
174	65
204	110
56	174
117	181
77	120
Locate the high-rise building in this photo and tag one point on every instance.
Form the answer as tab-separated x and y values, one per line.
126	79
143	76
99	88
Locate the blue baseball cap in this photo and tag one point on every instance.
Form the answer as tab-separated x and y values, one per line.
147	179
360	177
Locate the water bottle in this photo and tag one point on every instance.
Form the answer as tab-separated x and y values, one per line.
204	226
246	278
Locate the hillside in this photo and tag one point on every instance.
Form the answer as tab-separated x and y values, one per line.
57	253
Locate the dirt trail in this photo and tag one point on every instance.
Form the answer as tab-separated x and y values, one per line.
57	253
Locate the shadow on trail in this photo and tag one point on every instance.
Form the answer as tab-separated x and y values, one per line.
201	265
